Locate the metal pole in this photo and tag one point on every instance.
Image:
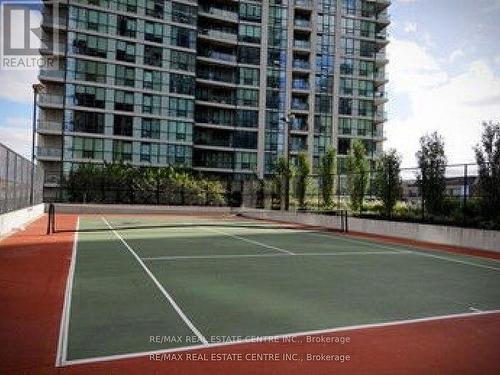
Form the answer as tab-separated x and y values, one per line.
33	129
465	192
287	187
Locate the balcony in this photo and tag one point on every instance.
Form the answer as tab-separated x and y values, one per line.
380	97
299	125
220	56
304	4
51	21
50	100
300	84
380	78
384	19
48	153
300	105
51	75
50	48
381	4
224	78
49	127
301	64
380	116
218	35
302	44
302	23
52	178
218	12
381	59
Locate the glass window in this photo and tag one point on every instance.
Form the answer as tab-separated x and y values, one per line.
125	51
150	128
124	76
249	33
127	26
124	101
182	61
152	80
89	96
250	12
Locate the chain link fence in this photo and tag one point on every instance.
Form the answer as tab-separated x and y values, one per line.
463	201
16	188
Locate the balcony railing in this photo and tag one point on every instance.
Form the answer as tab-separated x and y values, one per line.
54	21
305	44
219	56
216	76
299	125
52	177
383	17
51	48
219	12
302	23
300	85
58	74
303	3
54	126
301	64
50	99
380	95
217	34
301	106
380	115
52	152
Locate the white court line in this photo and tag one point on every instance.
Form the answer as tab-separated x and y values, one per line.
250	241
231	256
282	336
162	289
421	253
62	343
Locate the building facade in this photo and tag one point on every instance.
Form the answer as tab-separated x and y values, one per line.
219	86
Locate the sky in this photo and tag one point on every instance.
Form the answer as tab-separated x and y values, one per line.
444	76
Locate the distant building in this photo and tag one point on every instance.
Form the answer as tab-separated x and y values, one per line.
455	187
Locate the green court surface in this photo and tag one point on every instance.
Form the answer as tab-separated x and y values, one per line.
215	279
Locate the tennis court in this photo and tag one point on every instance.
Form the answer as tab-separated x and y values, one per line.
141	284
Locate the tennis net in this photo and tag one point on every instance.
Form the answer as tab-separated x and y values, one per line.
126	217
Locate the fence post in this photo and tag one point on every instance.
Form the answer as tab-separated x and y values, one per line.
318	184
338	189
465	194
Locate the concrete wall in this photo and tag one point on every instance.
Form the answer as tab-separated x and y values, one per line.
15	220
137	209
439	234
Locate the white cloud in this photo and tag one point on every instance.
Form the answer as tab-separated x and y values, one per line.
16	134
454	105
497	60
456	54
410	27
490	5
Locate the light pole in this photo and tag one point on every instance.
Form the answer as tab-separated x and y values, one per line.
37	88
288	120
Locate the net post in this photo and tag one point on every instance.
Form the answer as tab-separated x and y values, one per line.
50	221
346	228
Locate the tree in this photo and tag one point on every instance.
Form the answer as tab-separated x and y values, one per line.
303	172
388	181
357	175
488	161
431	178
283	172
327	169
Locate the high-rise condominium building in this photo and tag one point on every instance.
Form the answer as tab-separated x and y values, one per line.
211	85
